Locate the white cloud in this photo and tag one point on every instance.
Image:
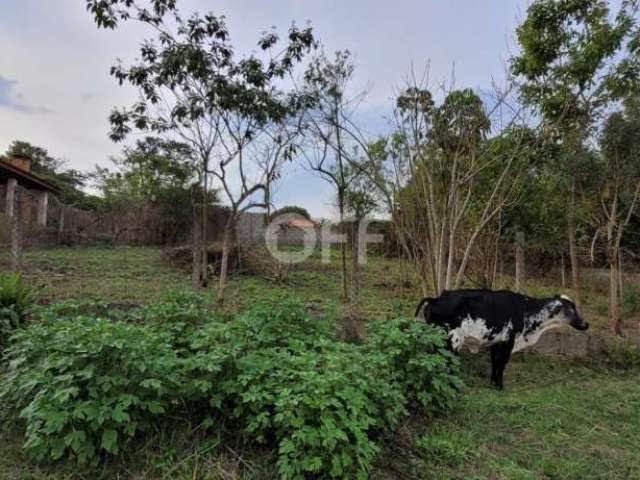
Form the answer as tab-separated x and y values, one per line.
11	100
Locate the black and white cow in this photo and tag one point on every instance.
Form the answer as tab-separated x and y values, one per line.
501	321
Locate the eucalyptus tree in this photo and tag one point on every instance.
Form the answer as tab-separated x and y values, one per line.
576	56
439	160
195	89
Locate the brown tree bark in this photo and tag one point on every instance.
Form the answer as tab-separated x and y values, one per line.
204	270
520	262
355	266
614	300
224	261
573	250
196	248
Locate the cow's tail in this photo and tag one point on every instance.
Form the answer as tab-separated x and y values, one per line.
424	301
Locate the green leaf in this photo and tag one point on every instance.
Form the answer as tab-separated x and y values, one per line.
110	441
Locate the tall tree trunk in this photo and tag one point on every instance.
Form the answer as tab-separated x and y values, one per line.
196	246
204	272
496	254
450	256
224	261
440	261
355	266
520	266
354	328
341	200
620	279
614	300
573	251
343	249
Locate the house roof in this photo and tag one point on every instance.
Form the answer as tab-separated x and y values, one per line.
26	179
301	223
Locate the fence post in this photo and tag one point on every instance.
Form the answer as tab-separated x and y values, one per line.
43	205
520	264
10	206
61	225
16	237
196	248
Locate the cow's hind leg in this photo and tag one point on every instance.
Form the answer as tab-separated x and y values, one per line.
500	355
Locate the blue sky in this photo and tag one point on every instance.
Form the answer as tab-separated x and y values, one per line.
55	88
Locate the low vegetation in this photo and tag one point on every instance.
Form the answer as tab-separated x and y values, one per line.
559	419
115	369
16	299
86	387
171	389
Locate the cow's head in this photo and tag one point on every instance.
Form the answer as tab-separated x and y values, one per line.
565	309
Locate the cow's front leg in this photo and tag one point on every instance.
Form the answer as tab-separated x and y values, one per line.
500	355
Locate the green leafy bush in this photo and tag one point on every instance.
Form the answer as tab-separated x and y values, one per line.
16	299
420	361
85	386
274	373
283	377
70	308
618	355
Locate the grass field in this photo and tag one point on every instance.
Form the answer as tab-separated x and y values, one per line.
557	419
139	275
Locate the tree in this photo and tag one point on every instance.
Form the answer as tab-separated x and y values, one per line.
620	146
330	153
575	58
445	183
155	171
150	170
193	88
360	201
70	182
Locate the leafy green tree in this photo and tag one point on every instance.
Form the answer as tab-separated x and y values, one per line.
195	89
41	161
149	171
70	182
155	171
447	180
327	81
576	56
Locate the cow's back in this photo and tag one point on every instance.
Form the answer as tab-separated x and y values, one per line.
495	308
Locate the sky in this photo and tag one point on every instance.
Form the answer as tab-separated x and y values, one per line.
56	91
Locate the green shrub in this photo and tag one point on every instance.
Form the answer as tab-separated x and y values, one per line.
283	377
621	355
86	386
274	373
420	360
16	298
70	308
